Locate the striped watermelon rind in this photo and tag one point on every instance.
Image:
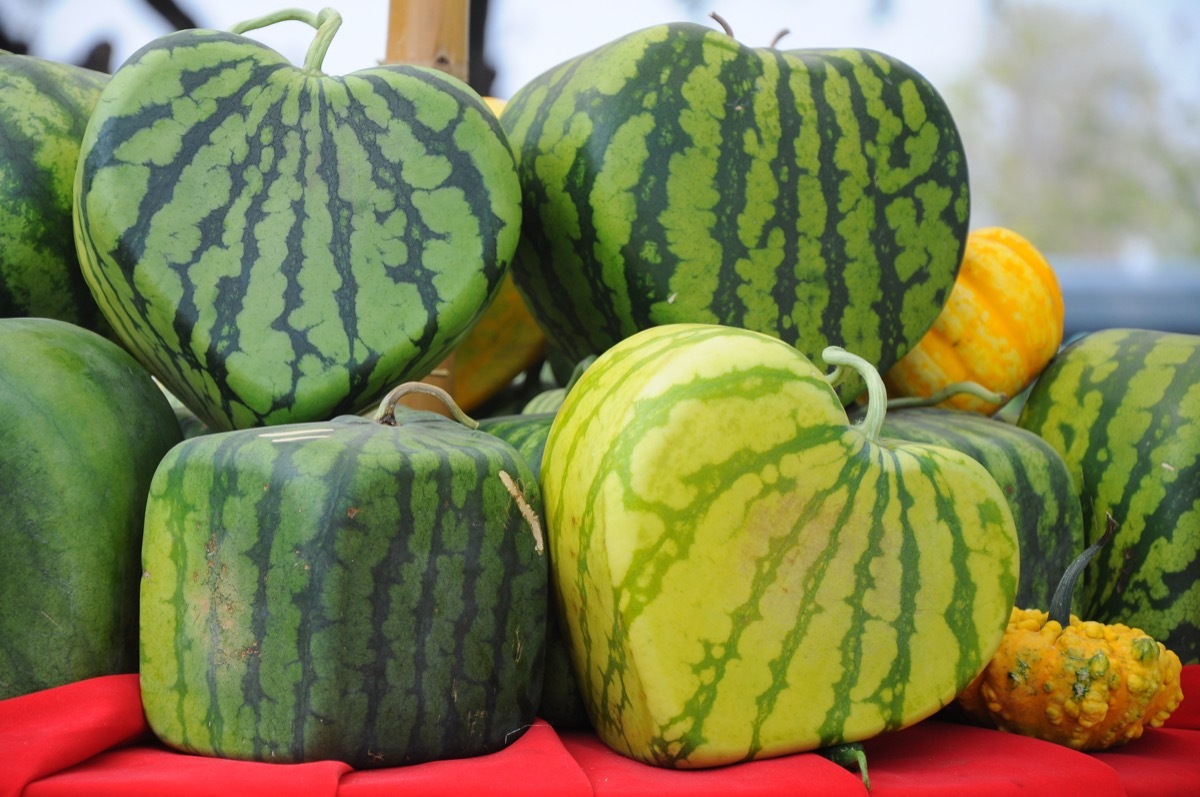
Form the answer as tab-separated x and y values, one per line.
83	428
675	175
1122	408
44	108
343	590
743	572
279	245
1034	478
561	704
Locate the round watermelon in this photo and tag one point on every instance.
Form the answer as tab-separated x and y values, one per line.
83	429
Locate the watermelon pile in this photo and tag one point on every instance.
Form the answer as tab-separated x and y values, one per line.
694	522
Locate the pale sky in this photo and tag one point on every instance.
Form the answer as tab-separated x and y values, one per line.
561	31
526	37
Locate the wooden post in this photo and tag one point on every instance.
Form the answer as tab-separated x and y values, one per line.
433	33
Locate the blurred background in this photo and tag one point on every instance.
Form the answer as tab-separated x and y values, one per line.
1081	120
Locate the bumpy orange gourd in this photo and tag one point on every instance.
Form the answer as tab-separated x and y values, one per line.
1086	685
1001	325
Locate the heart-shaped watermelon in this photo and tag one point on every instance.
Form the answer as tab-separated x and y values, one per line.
677	175
280	245
743	572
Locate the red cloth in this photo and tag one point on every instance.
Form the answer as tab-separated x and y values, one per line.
944	758
90	739
48	731
1188	713
1164	761
612	775
152	771
537	763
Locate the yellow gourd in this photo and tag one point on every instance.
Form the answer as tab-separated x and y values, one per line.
1001	325
504	343
1086	685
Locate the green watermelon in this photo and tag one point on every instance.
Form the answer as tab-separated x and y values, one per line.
561	703
370	591
83	428
525	432
745	573
546	401
675	175
1034	478
280	245
1122	408
550	399
44	108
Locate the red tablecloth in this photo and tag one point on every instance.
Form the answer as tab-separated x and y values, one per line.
90	739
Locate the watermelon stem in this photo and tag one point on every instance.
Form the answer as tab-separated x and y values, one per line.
729	30
970	388
326	22
721	21
386	414
1060	602
877	406
850	755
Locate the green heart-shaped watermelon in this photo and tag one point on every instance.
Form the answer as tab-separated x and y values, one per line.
677	175
280	245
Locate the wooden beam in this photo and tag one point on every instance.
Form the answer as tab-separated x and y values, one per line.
433	33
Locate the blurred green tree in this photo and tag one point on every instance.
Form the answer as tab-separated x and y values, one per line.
1073	139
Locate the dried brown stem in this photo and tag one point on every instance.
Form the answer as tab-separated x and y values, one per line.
721	21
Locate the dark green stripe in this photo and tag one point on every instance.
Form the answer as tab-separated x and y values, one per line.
1033	476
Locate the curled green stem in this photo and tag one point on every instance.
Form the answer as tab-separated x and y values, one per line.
326	22
877	406
949	391
386	414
